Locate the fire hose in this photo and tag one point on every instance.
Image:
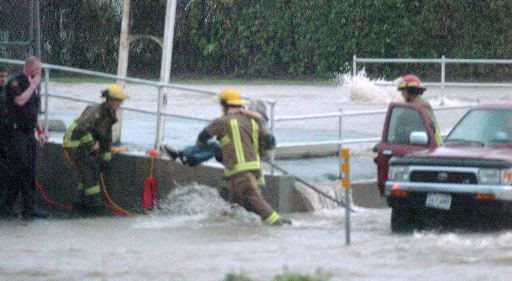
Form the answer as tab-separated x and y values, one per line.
312	187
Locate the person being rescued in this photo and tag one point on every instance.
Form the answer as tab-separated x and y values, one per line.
241	139
88	147
194	155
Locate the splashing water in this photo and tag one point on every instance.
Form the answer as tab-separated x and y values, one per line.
201	205
363	89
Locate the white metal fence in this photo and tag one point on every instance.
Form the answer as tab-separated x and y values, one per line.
159	112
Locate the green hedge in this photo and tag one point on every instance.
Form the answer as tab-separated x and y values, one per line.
281	38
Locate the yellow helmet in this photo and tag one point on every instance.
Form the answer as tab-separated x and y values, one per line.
115	91
231	96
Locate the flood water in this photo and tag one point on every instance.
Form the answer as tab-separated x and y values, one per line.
197	236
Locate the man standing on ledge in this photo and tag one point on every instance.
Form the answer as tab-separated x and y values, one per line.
23	96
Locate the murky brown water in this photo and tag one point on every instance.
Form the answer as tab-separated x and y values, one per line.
196	236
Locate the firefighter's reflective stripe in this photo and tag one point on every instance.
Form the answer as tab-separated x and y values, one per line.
272	219
87	138
261	180
248	166
437	134
95	189
106	156
239	151
237	141
255	136
224	140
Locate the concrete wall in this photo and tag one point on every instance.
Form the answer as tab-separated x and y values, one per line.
125	180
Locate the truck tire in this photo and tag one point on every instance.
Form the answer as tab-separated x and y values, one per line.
402	220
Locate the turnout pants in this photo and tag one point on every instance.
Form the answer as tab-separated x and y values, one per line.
22	158
244	190
86	170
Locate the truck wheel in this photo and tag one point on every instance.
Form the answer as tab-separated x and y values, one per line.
401	220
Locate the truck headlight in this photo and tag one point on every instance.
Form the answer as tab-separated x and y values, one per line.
490	176
398	173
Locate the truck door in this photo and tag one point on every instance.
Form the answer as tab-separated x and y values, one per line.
401	120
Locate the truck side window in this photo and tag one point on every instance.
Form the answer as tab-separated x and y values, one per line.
402	123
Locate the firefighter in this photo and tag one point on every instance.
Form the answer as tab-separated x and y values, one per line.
88	147
412	89
242	140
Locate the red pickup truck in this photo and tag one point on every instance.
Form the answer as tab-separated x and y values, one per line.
465	181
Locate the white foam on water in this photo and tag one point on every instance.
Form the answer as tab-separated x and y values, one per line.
362	89
197	205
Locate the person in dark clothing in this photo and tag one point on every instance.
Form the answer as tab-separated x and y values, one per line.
22	94
4	166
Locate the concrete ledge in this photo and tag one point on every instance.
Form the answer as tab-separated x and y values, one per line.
365	194
125	180
306	151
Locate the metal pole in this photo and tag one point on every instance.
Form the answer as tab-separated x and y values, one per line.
46	97
159	118
272	121
124	42
31	31
340	135
38	29
443	74
165	69
354	65
345	183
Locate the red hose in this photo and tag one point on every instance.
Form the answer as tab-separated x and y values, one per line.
48	200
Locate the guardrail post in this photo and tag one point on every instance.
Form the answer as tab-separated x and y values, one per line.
340	134
443	74
159	130
354	66
272	120
46	96
345	183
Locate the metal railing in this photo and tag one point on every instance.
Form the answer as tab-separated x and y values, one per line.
443	61
340	140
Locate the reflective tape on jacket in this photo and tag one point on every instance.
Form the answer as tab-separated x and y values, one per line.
241	165
95	189
272	219
85	139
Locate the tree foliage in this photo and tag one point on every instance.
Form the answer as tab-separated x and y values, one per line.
277	38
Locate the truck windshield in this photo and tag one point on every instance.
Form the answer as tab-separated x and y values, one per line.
483	126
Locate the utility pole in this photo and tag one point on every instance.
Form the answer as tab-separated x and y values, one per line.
122	64
165	69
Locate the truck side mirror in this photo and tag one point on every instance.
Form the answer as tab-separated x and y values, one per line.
419	138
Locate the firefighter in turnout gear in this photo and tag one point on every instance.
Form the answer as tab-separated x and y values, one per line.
411	88
87	146
242	141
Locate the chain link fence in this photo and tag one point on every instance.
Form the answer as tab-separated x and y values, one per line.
19	28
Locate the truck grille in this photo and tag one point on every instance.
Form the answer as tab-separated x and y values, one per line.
443	177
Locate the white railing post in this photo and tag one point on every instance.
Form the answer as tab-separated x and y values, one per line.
443	74
340	135
46	97
354	66
158	137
